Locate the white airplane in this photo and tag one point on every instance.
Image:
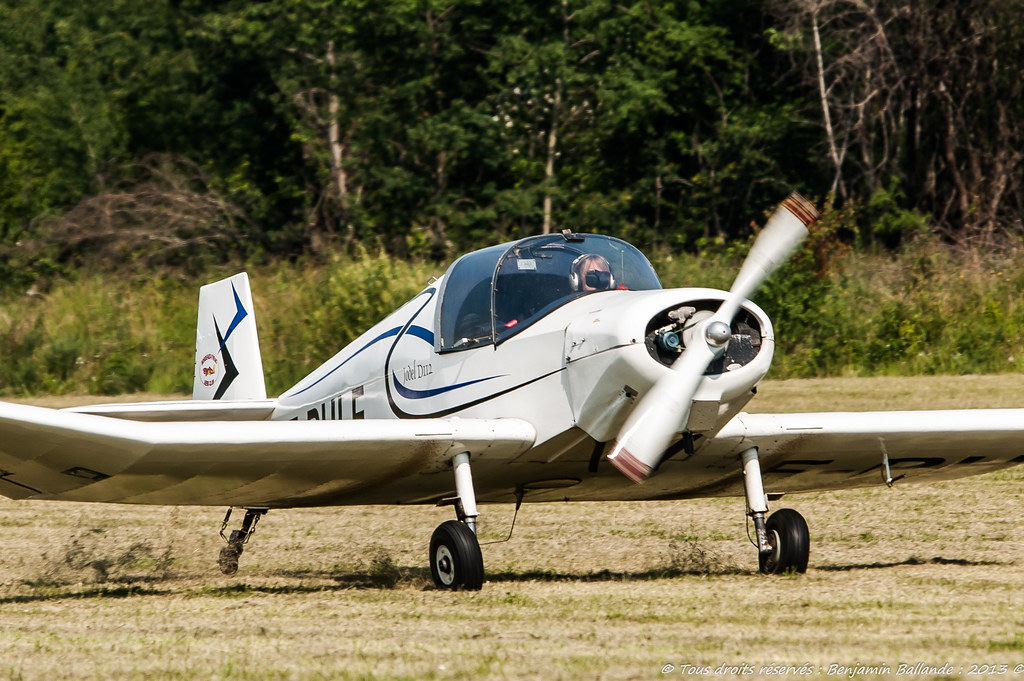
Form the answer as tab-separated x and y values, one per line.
550	368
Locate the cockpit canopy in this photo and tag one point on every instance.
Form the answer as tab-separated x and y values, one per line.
492	294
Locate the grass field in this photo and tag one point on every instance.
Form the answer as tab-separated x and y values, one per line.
922	576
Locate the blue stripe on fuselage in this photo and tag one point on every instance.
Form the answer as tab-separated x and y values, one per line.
421	333
411	394
417	331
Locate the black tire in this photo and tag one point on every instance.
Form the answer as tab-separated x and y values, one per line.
790	541
229	555
455	558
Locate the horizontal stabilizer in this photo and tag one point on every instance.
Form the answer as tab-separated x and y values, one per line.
183	410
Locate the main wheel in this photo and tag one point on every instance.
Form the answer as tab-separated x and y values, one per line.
790	542
455	558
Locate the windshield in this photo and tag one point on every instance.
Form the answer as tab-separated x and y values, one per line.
491	295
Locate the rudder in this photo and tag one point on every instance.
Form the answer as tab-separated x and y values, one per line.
228	361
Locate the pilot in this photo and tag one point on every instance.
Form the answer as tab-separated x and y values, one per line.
591	272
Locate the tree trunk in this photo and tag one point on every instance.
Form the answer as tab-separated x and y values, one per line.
837	161
337	149
549	166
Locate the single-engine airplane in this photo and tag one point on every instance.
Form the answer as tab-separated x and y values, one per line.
554	367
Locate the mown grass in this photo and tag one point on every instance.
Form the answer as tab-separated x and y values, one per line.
565	599
836	313
915	574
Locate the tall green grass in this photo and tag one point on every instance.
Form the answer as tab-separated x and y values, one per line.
99	335
308	313
103	335
926	310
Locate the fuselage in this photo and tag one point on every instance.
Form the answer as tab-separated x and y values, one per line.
574	369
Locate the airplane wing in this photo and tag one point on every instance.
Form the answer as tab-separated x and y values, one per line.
836	450
50	454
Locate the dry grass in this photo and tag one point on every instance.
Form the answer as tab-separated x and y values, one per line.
890	393
916	574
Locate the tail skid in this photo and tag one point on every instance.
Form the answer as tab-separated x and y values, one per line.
228	361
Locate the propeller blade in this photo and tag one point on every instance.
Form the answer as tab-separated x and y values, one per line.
665	409
785	229
657	417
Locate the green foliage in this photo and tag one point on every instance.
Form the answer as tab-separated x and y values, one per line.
424	128
99	336
888	219
927	310
432	127
308	313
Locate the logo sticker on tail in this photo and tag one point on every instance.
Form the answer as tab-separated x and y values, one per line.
208	368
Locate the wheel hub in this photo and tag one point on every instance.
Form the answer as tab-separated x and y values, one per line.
772	558
445	565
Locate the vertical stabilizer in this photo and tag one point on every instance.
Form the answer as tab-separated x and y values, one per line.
228	361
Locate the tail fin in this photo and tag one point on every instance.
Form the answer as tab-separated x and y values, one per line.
228	361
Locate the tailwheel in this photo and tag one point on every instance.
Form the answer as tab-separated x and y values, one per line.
455	558
790	543
229	555
235	543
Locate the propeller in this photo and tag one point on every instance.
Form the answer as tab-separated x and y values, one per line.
665	409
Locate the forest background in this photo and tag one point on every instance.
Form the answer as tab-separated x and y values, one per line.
345	151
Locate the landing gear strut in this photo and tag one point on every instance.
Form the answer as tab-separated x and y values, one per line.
455	558
783	542
230	554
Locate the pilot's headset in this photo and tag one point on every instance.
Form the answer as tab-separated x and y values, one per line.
574	273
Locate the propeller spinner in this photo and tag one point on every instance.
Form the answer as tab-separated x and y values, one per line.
665	409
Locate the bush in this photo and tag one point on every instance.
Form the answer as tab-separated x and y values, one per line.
309	313
926	310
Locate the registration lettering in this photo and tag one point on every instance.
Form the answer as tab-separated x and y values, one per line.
341	408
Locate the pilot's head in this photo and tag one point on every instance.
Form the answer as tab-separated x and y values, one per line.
591	272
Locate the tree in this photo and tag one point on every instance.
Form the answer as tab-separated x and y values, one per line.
423	126
921	100
60	123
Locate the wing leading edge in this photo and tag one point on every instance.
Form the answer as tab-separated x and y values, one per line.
52	454
836	450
